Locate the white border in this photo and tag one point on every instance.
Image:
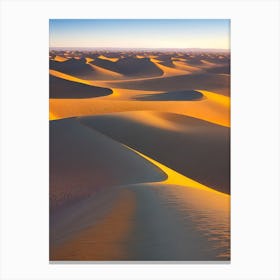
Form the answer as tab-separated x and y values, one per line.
255	138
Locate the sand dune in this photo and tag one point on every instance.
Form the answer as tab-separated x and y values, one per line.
188	149
202	81
83	161
61	88
169	70
76	67
189	224
179	216
89	59
151	222
181	65
113	59
130	67
139	155
213	108
70	78
60	58
104	74
110	68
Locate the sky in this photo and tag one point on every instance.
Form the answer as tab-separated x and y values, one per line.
140	33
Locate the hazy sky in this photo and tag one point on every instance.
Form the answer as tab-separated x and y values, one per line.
140	33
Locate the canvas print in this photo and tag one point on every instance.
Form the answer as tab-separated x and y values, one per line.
139	140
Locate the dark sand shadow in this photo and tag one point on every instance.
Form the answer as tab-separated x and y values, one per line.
129	66
206	81
74	67
199	149
184	95
61	88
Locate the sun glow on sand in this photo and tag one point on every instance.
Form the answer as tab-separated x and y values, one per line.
175	178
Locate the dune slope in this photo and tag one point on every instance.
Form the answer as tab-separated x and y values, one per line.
83	161
203	81
139	155
62	88
148	221
75	67
195	148
129	66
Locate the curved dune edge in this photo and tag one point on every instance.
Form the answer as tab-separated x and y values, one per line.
181	65
105	72
130	68
60	88
84	107
175	178
82	154
69	77
220	99
197	80
60	58
195	148
205	208
214	108
112	59
111	235
168	71
77	108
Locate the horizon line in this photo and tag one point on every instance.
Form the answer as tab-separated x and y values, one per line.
136	48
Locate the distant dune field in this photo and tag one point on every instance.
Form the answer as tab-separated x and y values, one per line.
139	156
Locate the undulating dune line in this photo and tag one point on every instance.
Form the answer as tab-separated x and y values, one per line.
130	66
72	235
169	69
214	108
139	156
76	67
180	142
203	81
104	74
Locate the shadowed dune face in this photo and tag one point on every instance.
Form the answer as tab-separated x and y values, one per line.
188	95
76	67
140	67
83	161
207	81
61	88
220	70
195	148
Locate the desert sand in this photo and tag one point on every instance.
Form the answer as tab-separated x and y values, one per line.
139	156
